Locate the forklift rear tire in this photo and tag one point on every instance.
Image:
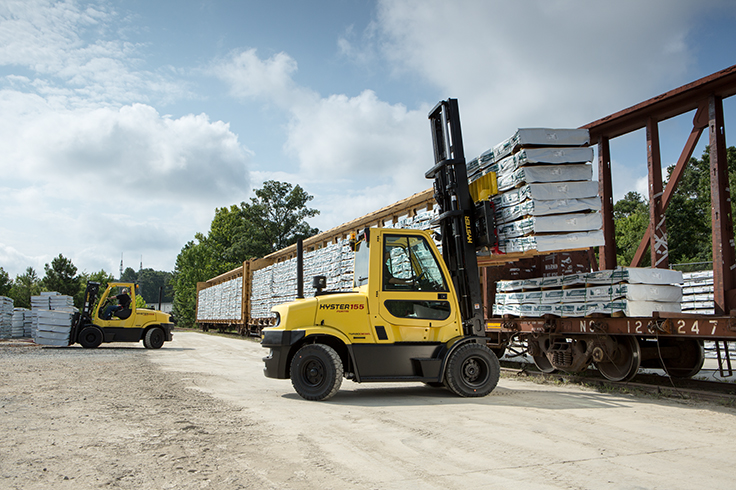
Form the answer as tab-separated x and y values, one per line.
154	338
90	337
472	370
316	372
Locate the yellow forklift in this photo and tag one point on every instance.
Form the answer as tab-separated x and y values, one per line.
115	318
414	314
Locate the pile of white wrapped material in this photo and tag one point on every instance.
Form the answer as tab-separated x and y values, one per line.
18	325
221	301
276	284
6	317
52	318
697	293
547	200
629	291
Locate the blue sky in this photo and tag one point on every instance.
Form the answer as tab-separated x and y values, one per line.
126	123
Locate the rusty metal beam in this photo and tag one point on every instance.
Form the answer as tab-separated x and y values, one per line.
665	106
724	267
658	242
700	122
607	253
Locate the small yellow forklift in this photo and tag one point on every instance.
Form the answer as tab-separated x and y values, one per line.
117	319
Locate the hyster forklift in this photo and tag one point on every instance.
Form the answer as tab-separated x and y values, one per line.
412	316
111	320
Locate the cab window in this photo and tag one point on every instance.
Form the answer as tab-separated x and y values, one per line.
410	265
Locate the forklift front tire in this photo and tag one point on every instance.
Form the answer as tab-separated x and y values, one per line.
316	372
90	337
472	370
154	338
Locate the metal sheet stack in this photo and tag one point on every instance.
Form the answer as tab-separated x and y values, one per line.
18	330
547	200
276	284
6	317
52	318
221	301
697	293
628	291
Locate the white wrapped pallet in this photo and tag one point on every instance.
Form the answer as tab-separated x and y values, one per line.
17	330
6	317
627	291
54	326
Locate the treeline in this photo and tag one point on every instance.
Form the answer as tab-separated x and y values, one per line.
273	219
61	276
688	216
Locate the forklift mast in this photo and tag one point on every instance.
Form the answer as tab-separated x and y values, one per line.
464	226
85	315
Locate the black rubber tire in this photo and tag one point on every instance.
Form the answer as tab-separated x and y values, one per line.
90	337
154	338
316	372
472	370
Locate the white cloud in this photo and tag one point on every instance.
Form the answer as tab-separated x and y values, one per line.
361	139
248	76
539	62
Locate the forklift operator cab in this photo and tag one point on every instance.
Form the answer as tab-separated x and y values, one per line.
411	267
116	305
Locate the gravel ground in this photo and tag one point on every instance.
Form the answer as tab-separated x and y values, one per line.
108	418
199	413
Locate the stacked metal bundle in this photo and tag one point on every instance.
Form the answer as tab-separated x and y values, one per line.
54	327
628	291
28	323
52	318
17	330
697	293
547	200
276	284
6	317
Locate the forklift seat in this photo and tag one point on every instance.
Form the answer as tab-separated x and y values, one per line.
123	314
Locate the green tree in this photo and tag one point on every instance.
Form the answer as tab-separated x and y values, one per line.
129	275
151	282
688	215
272	220
275	218
25	285
631	218
5	283
61	276
195	263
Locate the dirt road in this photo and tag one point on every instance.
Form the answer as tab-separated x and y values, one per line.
200	414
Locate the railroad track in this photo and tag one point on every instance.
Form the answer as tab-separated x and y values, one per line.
653	384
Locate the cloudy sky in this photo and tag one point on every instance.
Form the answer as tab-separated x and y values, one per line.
126	123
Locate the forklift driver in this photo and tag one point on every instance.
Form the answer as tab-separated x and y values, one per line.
123	304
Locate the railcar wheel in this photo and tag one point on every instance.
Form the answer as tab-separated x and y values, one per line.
625	362
154	338
90	337
543	364
472	370
316	372
690	360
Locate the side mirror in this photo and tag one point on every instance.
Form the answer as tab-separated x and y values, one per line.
319	283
